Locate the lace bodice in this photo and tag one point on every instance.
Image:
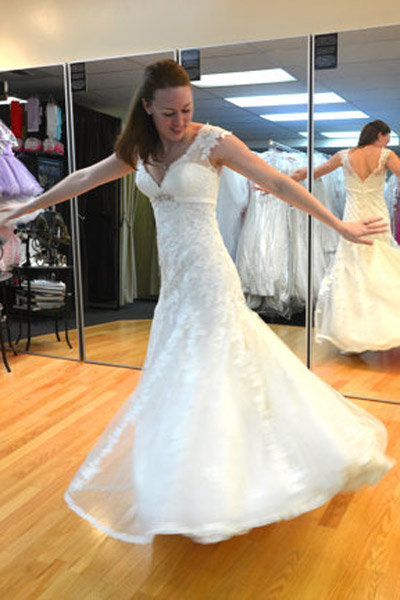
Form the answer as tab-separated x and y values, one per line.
192	255
364	196
190	178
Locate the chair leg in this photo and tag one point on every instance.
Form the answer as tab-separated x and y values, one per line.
9	338
56	328
66	328
19	328
3	350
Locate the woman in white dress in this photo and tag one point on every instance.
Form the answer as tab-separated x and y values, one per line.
227	429
358	307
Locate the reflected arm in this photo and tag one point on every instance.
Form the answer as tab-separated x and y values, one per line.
393	163
327	167
231	152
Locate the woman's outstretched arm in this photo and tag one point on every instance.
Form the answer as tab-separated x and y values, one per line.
323	169
231	152
393	163
77	183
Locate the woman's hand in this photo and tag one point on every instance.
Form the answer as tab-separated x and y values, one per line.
7	215
299	174
355	231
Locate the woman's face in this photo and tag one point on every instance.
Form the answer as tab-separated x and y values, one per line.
172	111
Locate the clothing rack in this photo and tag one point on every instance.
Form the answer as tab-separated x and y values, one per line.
278	146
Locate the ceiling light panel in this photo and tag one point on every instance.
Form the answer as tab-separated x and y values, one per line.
284	99
340	134
348	142
318	116
244	78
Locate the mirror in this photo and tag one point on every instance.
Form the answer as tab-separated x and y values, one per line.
36	269
266	238
120	268
361	283
117	233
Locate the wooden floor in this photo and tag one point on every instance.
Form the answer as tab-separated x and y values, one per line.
125	342
369	375
53	411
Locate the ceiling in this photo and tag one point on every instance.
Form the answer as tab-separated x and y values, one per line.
367	77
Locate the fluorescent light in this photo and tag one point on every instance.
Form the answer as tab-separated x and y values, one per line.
334	134
244	78
350	142
318	116
12	99
342	138
394	138
340	134
285	99
338	143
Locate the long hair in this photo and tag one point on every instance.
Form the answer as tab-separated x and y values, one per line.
370	131
139	137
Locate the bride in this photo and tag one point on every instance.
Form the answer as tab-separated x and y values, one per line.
226	430
362	286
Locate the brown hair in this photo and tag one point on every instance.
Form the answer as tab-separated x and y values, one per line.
139	137
369	133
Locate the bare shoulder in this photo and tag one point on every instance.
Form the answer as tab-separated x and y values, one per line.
392	155
392	159
195	128
337	158
115	164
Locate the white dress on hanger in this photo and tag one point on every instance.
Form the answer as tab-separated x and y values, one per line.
227	429
232	201
358	306
265	253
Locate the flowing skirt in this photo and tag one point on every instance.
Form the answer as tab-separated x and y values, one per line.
358	306
227	430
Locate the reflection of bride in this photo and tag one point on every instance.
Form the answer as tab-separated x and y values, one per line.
358	306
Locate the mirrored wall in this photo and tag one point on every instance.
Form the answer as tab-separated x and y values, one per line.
266	238
118	234
120	272
358	311
36	266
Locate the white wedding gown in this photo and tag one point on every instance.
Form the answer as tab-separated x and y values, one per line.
358	306
227	429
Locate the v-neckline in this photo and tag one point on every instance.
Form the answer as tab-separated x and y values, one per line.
174	162
369	174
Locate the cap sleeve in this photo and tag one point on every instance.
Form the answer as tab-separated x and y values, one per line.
211	135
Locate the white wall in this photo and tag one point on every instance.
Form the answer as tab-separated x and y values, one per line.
38	32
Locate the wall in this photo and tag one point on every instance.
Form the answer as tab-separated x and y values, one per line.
39	32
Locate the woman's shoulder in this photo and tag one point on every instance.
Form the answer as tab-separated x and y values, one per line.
208	137
209	129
